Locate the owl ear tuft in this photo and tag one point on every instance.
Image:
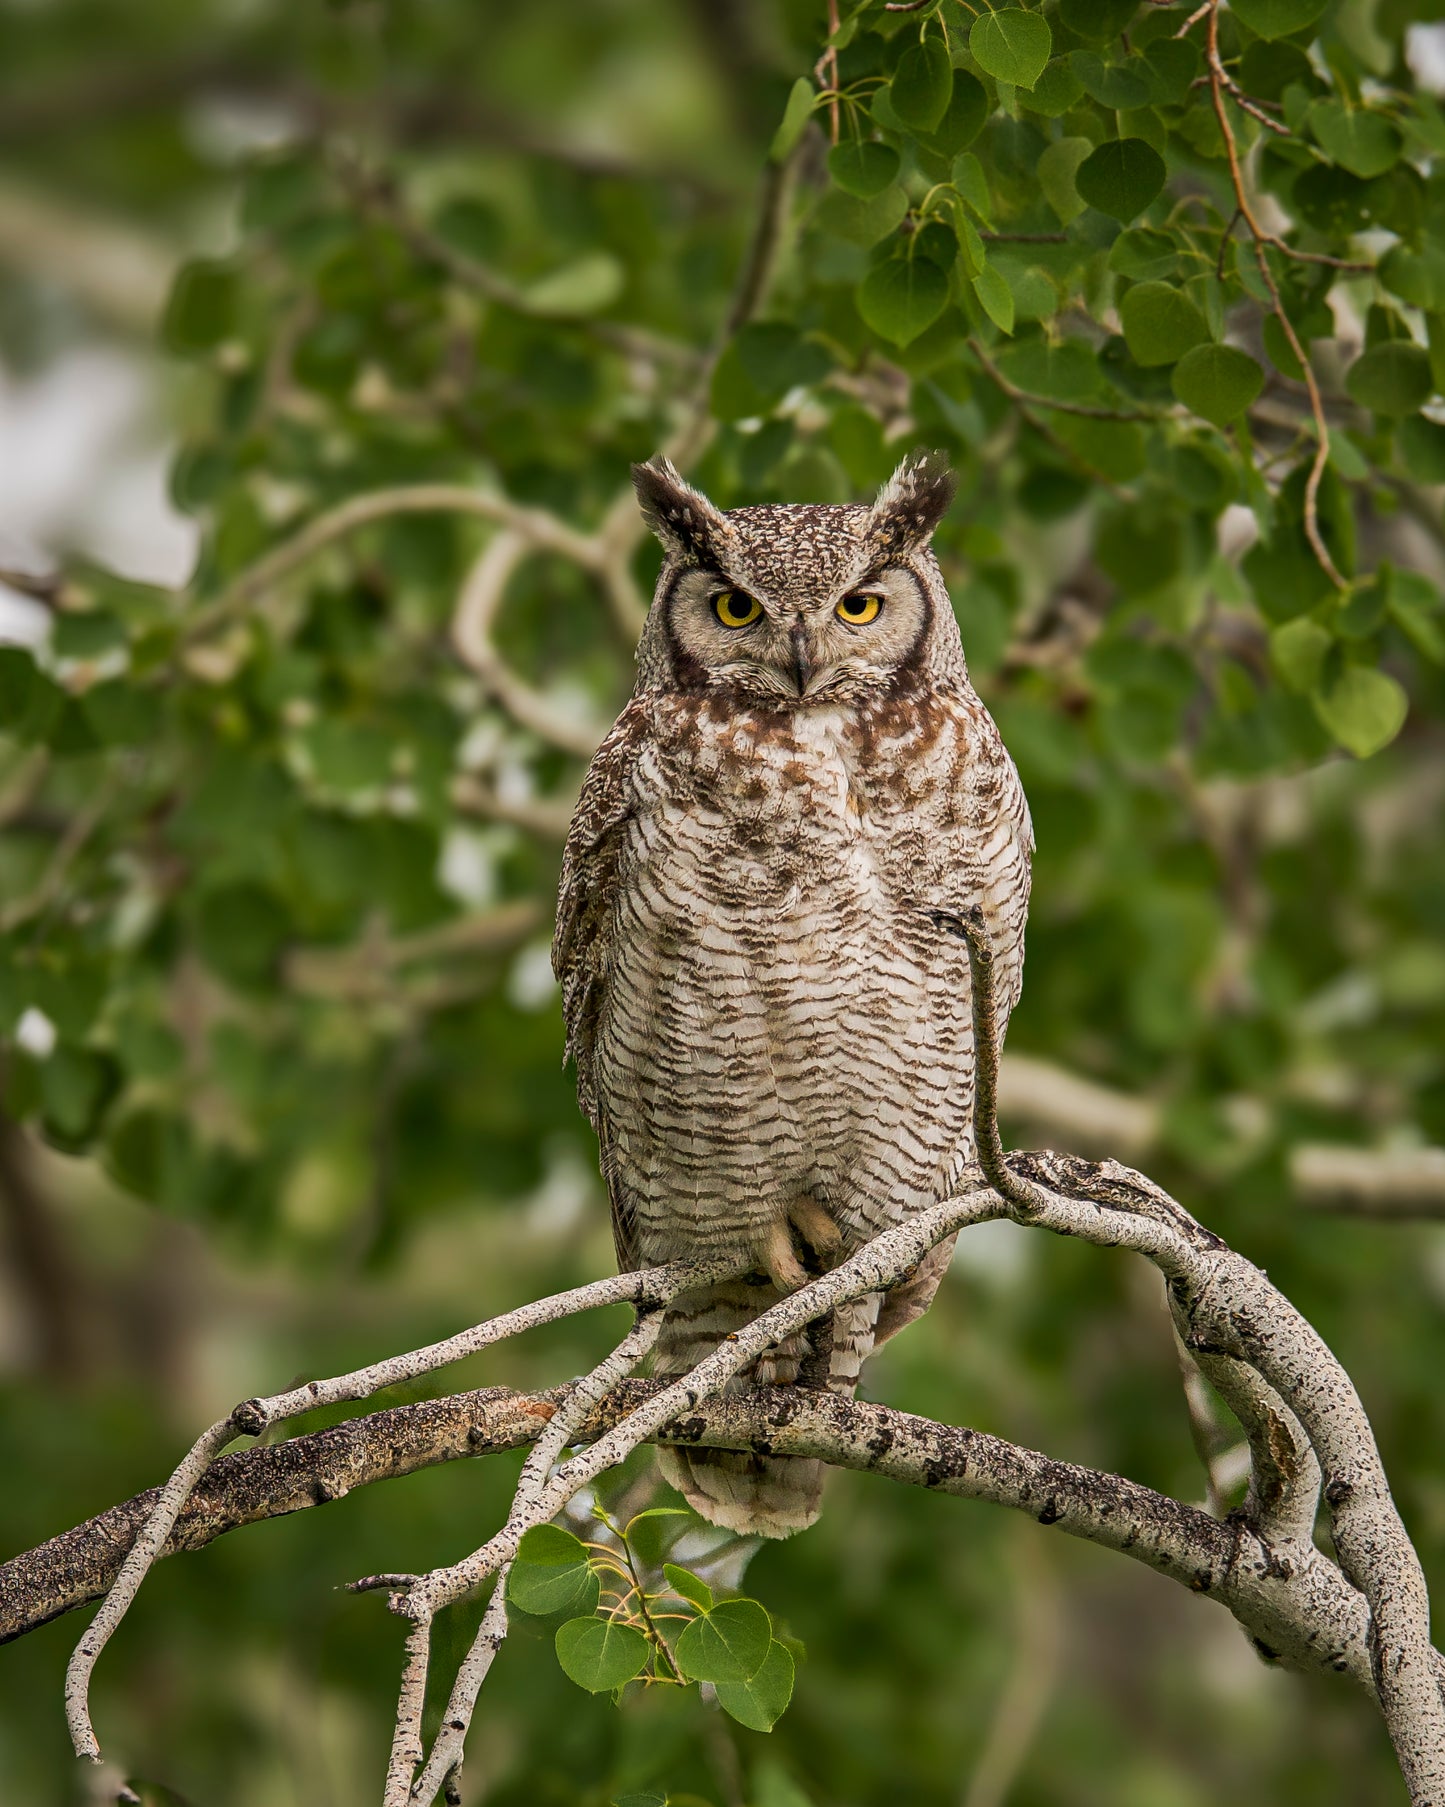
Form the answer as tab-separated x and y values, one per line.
690	528
912	502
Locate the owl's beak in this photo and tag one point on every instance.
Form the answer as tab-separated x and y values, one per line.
805	667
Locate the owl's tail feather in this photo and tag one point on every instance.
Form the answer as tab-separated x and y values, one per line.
758	1496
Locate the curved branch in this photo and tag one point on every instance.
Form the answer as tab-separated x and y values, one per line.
535	525
477	607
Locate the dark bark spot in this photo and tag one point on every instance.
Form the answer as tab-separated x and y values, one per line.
249	1419
1270	1656
1051	1513
1338	1489
879	1445
1202	1580
935	1473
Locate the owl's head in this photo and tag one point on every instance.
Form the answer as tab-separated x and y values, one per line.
797	606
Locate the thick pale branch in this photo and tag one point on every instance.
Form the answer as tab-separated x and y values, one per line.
1307	1615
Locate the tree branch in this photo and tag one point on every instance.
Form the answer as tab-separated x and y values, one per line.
1308	1617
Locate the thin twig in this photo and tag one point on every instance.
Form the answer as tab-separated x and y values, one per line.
1262	239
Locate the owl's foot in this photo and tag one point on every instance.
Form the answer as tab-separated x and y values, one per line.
812	1226
779	1257
815	1226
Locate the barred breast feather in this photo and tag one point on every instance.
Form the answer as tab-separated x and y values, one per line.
759	998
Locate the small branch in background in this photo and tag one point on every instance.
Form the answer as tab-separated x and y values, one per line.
119	272
1033	1674
368	969
1023	398
51	1287
549	818
539	528
1387	1183
477	607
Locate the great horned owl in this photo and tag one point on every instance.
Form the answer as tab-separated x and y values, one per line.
769	1017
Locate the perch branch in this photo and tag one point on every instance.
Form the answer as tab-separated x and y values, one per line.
1309	1616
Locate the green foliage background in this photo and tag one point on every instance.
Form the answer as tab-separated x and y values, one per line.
300	1113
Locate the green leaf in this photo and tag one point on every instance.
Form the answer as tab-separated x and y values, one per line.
995	297
1160	323
1281	352
1011	45
1363	709
1422	446
1417	277
922	85
1297	652
902	296
688	1585
796	115
583	287
972	184
241	930
600	1655
1114	448
473	226
862	222
1065	371
76	1085
202	308
1417	609
552	1573
1393	378
1277	18
1170	66
1121	177
1217	382
776	357
728	1644
1058	165
760	1701
1116	86
1055	92
1363	142
863	168
1096	21
965	117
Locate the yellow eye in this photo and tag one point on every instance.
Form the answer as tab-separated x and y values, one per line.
735	608
858	611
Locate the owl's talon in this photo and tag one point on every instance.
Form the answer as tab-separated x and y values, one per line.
815	1226
780	1259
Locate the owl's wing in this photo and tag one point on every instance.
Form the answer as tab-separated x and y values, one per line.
989	852
585	899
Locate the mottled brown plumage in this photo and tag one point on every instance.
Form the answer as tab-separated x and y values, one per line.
770	1022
